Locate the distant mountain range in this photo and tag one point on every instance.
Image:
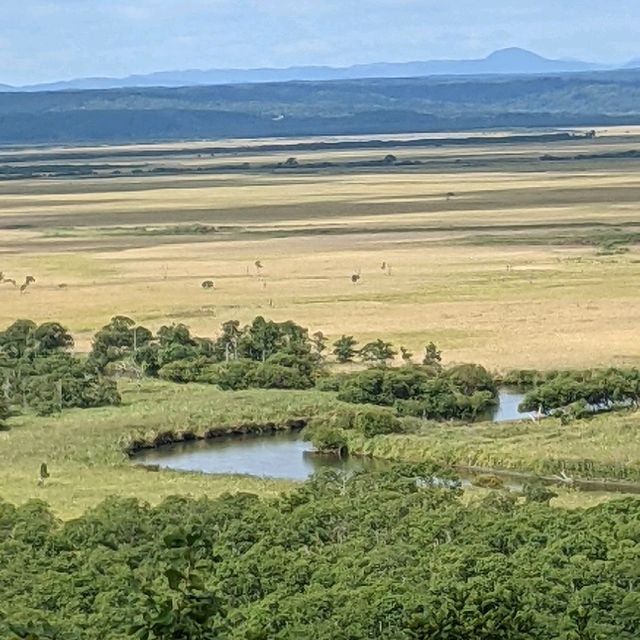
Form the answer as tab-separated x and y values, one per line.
505	61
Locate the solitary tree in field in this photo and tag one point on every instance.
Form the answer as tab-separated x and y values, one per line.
207	284
432	355
355	278
344	349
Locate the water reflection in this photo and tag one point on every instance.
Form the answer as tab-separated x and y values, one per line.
507	409
280	455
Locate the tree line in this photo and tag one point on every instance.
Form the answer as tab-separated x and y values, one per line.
576	394
39	371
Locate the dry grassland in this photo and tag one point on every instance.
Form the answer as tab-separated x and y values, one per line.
514	270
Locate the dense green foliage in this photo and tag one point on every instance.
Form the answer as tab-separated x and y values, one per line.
344	349
462	392
328	432
263	354
315	108
38	371
578	392
390	555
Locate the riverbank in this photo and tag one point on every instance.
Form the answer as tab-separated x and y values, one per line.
604	447
86	450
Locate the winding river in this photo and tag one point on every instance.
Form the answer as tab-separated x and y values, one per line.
283	455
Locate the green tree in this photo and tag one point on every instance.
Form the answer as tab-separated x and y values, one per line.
378	352
189	611
373	422
328	439
319	342
227	343
118	339
344	349
17	340
52	336
470	378
432	355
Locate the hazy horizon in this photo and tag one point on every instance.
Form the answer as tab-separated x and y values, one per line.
51	40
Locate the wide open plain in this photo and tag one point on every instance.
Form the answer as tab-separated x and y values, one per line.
495	253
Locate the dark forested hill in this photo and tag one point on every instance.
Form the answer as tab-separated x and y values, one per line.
332	107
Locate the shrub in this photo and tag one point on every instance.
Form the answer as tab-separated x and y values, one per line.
274	376
537	492
404	384
234	375
306	363
342	418
521	378
373	422
365	388
331	382
183	371
327	439
4	412
470	378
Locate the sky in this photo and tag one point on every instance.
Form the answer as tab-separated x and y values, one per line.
48	40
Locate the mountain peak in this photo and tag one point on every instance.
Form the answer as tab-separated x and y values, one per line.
514	54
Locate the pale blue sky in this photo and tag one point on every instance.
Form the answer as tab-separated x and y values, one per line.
43	40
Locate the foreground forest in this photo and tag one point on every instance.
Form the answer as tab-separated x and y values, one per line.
391	555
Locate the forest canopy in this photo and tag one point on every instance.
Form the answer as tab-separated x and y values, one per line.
391	555
370	106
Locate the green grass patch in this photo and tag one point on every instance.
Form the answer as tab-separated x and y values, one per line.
84	449
603	447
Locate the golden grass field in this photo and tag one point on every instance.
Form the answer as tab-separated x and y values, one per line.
500	273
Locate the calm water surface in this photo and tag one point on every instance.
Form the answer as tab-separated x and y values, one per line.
507	409
274	455
280	455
